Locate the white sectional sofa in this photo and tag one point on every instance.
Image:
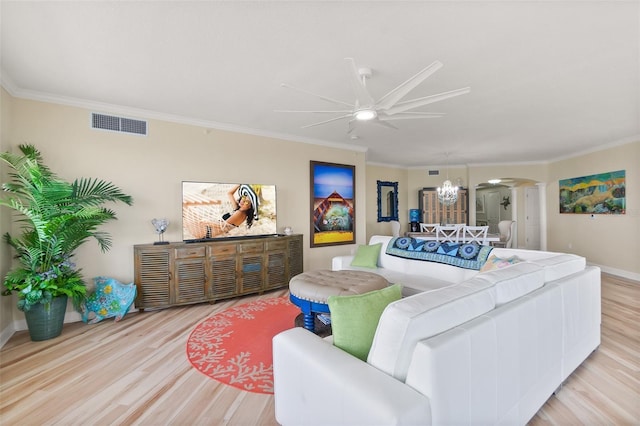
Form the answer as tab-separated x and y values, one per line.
468	347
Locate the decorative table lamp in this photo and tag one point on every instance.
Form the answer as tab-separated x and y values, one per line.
161	226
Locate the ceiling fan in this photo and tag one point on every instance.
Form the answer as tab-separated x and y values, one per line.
386	109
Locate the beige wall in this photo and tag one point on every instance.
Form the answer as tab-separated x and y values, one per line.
388	174
6	303
609	240
151	170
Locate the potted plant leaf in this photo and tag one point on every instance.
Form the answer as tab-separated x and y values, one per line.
56	218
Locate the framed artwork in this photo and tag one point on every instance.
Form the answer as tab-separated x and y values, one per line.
480	203
603	193
333	204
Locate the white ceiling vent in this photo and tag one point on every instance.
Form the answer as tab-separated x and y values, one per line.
118	124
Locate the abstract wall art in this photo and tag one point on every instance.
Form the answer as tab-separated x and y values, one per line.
603	193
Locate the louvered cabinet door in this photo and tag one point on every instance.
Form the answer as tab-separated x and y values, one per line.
294	255
153	270
222	271
251	264
190	274
190	281
277	268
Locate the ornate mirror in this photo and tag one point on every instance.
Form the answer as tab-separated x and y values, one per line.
387	201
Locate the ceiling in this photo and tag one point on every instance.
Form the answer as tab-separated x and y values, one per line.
549	79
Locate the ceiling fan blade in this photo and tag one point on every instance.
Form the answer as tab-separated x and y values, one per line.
326	121
362	95
384	123
412	115
391	98
315	111
415	103
334	101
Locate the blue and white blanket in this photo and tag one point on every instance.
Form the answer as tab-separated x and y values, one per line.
468	256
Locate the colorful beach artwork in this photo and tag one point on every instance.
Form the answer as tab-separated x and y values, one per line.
603	193
332	204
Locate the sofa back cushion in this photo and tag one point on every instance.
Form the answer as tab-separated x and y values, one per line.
407	321
513	281
420	268
560	266
384	260
496	369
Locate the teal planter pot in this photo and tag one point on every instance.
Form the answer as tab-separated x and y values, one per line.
45	320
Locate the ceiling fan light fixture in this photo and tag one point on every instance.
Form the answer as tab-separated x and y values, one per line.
366	114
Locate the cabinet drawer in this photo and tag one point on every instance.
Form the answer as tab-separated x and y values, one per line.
222	249
189	252
252	247
277	245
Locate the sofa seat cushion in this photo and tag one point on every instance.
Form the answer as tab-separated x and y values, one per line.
407	321
410	283
514	281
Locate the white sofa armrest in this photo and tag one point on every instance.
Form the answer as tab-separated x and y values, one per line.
338	263
316	383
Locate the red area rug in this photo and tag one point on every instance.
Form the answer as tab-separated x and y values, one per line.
234	346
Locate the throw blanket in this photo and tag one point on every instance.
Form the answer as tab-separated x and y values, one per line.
468	256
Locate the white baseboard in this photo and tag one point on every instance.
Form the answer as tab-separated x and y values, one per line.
618	272
6	334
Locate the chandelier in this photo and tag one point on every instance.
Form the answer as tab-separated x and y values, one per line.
447	193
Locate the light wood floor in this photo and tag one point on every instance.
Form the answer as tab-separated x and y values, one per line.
136	372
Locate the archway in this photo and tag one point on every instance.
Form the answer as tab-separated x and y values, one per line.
518	199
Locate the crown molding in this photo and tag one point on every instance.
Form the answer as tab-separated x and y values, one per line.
130	112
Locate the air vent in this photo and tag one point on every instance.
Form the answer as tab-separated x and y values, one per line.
118	124
434	172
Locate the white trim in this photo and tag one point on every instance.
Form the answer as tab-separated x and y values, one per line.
6	334
634	276
14	91
153	115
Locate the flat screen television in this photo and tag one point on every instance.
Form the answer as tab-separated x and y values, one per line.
224	210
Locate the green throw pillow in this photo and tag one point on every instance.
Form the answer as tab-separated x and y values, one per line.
354	319
367	256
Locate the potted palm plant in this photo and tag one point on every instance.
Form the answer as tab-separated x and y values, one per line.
56	217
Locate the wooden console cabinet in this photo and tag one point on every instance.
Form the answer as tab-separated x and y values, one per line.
183	273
